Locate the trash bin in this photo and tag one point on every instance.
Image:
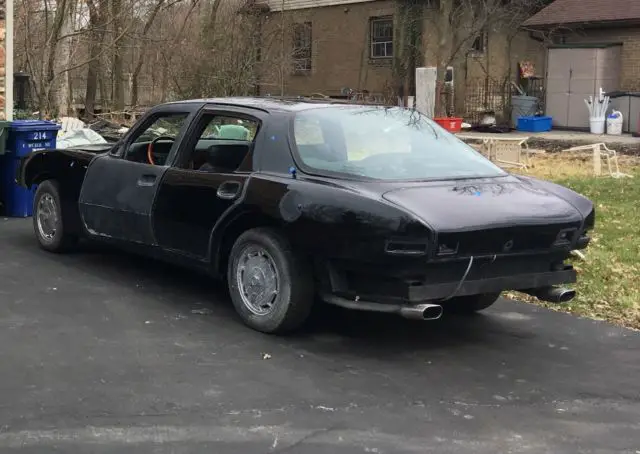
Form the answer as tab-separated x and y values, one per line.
614	123
25	136
522	106
627	102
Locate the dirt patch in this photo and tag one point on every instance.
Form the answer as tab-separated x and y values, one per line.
571	164
554	146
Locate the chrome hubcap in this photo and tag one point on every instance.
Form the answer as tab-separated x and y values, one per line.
258	280
47	217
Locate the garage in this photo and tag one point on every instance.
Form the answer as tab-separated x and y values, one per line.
575	72
593	44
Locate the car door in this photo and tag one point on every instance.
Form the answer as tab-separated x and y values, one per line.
206	180
120	188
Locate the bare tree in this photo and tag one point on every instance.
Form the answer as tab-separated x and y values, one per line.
117	69
177	41
458	23
47	36
55	36
287	47
408	52
225	58
97	23
142	38
63	54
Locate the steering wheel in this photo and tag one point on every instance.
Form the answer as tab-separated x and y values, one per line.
152	143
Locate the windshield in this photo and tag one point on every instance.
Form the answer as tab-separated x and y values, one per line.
384	143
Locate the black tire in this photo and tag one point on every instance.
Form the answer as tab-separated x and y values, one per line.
61	240
470	304
294	299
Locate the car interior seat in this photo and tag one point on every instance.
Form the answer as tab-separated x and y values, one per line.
225	158
233	132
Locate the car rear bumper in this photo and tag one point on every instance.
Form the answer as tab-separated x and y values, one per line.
445	280
491	285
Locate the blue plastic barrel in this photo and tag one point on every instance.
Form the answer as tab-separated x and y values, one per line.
25	136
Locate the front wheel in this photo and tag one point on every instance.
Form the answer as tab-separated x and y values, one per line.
470	304
271	285
49	220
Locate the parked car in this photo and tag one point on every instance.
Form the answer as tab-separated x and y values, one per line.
366	207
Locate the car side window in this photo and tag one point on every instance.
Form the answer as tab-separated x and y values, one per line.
153	144
319	141
308	132
223	142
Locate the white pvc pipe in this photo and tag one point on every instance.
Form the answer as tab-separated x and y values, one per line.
8	65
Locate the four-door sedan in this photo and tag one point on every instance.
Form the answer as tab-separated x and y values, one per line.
293	202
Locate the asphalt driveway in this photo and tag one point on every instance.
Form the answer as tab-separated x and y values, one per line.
104	352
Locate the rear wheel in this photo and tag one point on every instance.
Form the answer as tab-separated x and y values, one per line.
49	220
470	304
271	285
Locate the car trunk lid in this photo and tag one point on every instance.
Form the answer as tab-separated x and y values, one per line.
489	217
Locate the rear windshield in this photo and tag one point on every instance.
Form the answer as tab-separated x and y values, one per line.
383	143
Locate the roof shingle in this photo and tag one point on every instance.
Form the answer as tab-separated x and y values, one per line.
585	11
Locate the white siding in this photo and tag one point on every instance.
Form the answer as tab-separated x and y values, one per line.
277	5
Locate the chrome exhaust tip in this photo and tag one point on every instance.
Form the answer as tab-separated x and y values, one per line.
556	295
422	312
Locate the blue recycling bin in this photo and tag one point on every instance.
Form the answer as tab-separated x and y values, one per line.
25	136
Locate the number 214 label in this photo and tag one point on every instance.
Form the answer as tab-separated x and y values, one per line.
39	135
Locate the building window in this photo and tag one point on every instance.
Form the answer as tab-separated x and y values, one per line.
302	49
479	43
382	37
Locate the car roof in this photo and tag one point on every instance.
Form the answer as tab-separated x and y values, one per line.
268	103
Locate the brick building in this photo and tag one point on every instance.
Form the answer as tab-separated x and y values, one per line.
594	44
336	45
579	22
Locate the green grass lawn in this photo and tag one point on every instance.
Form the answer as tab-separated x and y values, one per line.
609	279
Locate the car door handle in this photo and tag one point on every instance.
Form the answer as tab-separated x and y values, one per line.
229	190
147	180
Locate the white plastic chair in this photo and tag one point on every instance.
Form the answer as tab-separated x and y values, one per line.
599	151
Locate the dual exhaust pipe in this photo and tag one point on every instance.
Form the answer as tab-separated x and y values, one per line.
422	312
549	294
417	312
434	311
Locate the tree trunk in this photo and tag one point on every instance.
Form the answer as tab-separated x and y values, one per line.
141	55
97	18
134	82
445	46
118	63
256	40
416	13
167	56
461	88
105	92
408	39
164	83
399	48
92	87
62	83
52	47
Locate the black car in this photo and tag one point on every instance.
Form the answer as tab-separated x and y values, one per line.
292	202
